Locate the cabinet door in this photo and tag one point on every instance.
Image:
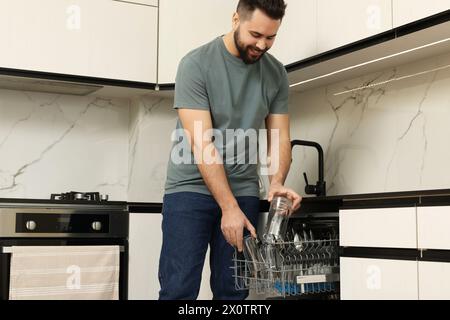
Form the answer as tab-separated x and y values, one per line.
383	228
123	43
346	21
376	279
434	280
406	11
297	38
101	38
433	225
46	35
145	241
187	24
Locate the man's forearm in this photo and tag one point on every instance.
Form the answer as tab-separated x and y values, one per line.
213	173
217	183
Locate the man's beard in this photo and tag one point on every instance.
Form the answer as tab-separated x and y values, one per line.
244	51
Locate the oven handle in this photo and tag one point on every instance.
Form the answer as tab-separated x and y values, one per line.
9	249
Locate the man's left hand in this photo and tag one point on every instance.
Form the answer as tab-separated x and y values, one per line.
280	190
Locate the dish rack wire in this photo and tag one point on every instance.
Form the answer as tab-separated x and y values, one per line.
293	268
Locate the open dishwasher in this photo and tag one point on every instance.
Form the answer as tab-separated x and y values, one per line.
302	262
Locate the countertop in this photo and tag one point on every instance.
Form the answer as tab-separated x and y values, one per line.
309	204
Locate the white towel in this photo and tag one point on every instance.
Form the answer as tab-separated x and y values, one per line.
65	273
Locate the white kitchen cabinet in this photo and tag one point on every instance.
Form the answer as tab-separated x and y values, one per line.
47	35
185	25
145	241
346	21
381	227
101	38
434	280
406	11
433	225
297	37
124	43
377	279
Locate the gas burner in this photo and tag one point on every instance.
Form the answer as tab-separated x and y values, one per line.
74	196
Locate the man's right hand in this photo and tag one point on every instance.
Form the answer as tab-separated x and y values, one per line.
233	223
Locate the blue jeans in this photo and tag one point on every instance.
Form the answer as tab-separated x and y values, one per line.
191	222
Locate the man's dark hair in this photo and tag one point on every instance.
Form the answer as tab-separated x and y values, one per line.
275	9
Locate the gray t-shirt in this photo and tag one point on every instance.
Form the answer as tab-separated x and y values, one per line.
238	96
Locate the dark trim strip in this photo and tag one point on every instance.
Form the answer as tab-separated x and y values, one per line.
75	78
424	23
136	207
379	253
166	86
435	255
397	194
434	201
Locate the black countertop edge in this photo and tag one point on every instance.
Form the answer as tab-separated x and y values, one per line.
309	204
18	201
143	207
397	199
335	203
396	195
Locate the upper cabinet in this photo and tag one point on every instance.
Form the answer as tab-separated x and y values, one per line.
406	11
101	38
124	41
187	24
346	21
144	40
297	38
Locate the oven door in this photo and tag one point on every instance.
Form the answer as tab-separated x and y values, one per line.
5	257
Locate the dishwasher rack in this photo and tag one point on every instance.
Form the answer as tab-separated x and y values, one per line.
292	268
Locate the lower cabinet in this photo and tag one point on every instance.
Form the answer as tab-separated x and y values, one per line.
433	224
378	279
378	228
434	280
423	230
145	242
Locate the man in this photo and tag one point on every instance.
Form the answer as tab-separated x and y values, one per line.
227	84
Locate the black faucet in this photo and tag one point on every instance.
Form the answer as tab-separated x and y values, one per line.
320	188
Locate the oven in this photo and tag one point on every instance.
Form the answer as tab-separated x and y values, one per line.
53	224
